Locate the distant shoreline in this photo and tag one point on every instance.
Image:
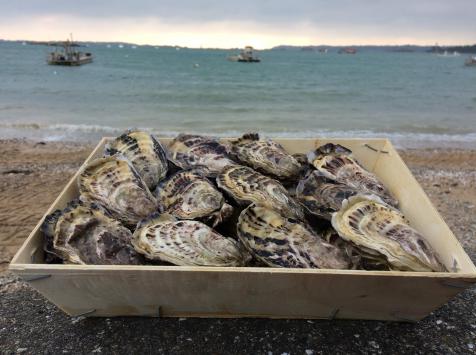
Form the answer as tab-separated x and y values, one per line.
464	48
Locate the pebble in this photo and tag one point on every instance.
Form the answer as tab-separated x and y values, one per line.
309	352
374	344
439	321
471	346
21	350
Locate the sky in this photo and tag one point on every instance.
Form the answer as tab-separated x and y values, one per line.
229	24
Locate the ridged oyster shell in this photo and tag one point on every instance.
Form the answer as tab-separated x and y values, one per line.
322	196
83	234
266	156
144	152
369	222
188	150
189	195
336	163
187	243
279	241
115	185
247	186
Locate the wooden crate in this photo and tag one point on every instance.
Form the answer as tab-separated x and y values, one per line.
175	291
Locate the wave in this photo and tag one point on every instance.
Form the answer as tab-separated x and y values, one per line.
92	133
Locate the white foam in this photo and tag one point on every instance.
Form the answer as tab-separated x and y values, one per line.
91	133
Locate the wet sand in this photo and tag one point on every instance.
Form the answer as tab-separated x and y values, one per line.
33	174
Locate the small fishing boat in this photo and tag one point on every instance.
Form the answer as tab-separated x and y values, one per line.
348	50
471	61
245	56
66	54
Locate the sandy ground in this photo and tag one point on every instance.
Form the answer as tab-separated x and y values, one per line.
33	174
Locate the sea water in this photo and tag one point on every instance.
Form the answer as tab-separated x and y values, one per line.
415	99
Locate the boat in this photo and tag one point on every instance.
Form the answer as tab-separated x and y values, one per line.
245	56
323	50
471	61
348	50
448	54
66	54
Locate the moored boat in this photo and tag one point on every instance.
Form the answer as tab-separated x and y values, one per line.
348	50
471	61
66	54
245	56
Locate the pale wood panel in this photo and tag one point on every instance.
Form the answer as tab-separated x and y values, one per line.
418	208
224	293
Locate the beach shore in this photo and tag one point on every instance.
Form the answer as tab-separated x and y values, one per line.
32	174
31	177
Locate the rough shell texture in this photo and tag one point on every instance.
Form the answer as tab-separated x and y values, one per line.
279	241
189	195
322	196
86	235
114	184
370	223
144	152
346	170
266	156
187	151
189	243
48	230
247	186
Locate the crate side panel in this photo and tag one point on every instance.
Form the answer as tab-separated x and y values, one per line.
232	294
419	210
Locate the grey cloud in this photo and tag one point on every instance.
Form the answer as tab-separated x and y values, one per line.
381	15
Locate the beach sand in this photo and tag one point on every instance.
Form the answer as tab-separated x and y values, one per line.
31	177
33	174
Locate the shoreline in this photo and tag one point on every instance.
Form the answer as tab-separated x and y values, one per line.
92	133
32	174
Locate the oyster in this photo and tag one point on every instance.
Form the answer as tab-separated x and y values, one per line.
83	234
247	186
187	151
279	241
368	222
144	152
115	185
322	196
189	195
336	163
187	243
48	230
266	156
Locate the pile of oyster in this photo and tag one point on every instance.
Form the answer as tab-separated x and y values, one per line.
245	202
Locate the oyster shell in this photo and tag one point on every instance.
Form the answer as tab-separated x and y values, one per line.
247	186
86	235
266	156
188	150
186	243
279	241
322	196
336	163
115	185
370	223
189	195
144	152
48	230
